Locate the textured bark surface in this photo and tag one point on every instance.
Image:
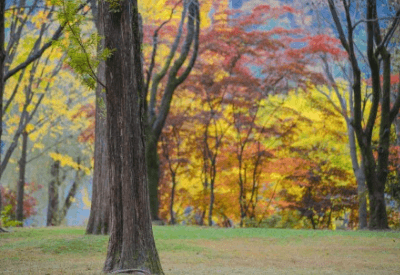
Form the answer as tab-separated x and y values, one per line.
131	245
99	219
21	181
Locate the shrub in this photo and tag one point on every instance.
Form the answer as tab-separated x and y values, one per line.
9	200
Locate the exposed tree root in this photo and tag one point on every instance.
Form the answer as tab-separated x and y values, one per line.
131	271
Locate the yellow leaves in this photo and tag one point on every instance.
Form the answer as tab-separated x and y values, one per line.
66	160
29	127
40	18
220	75
38	145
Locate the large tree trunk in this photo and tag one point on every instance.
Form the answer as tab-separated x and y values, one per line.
21	182
131	246
153	173
52	209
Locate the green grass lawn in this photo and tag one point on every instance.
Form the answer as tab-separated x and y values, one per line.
195	250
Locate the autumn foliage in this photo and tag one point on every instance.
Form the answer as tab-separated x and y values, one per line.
249	140
30	202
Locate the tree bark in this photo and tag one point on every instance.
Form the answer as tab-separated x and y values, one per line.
131	246
99	219
21	182
52	209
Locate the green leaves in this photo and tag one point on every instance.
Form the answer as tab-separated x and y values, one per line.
114	6
84	51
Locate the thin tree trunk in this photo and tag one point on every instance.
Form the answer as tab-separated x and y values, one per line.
210	212
21	182
360	178
52	209
362	198
99	219
153	173
131	247
71	195
170	69
171	206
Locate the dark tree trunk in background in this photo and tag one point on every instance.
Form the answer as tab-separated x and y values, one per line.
2	58
99	219
157	112
153	173
360	178
375	171
71	194
131	246
52	209
21	182
362	199
171	204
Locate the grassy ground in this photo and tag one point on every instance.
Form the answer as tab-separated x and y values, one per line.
194	250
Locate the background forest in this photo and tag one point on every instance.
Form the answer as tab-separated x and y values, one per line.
260	114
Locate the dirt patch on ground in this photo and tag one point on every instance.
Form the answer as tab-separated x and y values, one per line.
261	256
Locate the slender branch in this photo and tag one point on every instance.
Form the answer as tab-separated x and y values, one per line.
338	25
159	76
78	39
390	33
173	82
395	108
374	20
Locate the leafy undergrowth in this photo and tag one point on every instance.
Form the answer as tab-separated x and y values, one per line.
194	250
